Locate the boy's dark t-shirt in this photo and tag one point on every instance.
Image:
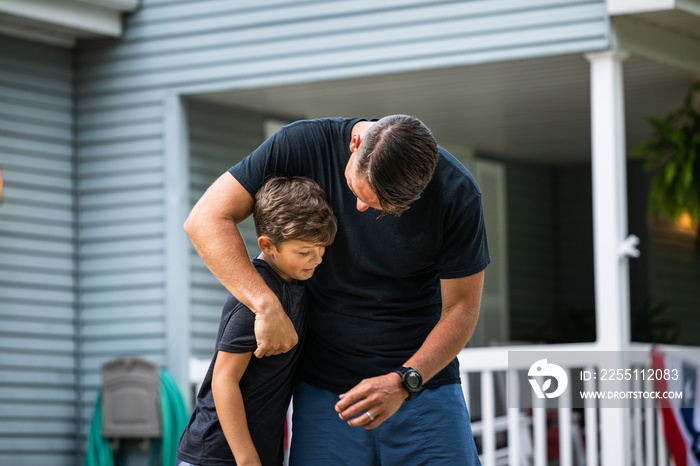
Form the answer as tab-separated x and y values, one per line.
376	295
266	384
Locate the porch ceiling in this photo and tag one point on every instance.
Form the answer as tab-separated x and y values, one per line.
536	109
674	20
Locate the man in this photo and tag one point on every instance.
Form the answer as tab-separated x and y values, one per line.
394	302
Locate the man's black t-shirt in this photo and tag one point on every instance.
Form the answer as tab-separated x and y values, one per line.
376	295
266	385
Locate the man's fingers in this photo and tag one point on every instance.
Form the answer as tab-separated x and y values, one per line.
267	349
363	420
275	334
379	396
347	400
355	402
365	414
264	351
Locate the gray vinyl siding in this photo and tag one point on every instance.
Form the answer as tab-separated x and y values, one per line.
550	247
37	257
575	238
219	138
121	233
531	236
550	250
176	44
675	274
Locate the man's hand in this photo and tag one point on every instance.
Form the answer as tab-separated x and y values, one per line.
379	396
274	332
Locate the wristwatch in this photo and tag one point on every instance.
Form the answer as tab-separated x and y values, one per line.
411	380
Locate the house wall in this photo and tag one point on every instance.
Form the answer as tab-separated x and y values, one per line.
662	279
575	258
531	255
675	274
170	43
219	138
574	194
38	342
121	235
550	248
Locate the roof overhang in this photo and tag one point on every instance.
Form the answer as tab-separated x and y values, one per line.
665	31
628	7
532	110
62	22
535	110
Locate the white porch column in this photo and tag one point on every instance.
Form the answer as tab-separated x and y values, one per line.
609	233
609	200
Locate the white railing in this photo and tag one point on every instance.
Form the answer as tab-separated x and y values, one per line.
538	436
513	436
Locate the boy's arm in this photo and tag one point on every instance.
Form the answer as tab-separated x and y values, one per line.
212	229
228	370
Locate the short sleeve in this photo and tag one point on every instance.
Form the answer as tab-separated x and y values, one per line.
275	157
238	334
465	249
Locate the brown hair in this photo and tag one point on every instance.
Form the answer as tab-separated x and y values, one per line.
398	154
294	208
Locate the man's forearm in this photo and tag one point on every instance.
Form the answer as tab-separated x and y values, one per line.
382	396
212	228
461	299
444	343
220	245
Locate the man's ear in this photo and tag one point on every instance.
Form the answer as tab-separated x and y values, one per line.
355	141
266	245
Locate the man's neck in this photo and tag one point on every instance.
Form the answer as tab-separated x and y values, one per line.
361	126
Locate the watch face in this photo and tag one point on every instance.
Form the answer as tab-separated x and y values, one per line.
413	380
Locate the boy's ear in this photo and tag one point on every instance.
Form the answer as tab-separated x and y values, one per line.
266	245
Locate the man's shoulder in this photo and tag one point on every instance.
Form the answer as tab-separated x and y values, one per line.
450	163
453	176
314	123
320	125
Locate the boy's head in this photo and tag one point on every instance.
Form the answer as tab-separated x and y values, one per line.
294	224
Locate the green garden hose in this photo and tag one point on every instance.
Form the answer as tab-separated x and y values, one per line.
174	417
98	452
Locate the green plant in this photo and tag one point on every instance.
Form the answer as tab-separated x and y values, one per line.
672	156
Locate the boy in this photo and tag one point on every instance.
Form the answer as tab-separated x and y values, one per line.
241	407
